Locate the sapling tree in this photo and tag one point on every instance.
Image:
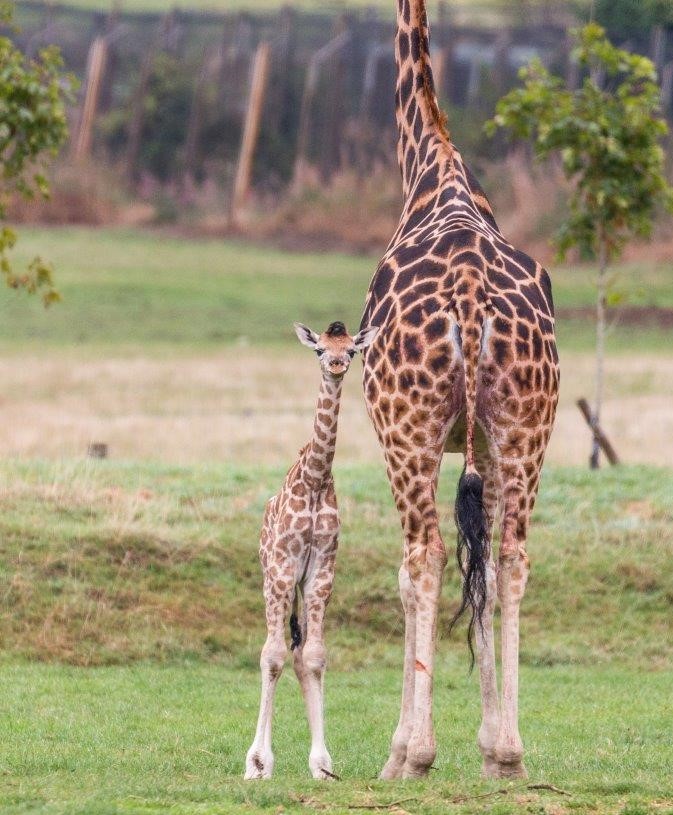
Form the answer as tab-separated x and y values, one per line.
608	135
33	126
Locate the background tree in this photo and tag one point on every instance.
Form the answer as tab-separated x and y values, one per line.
607	133
33	126
626	19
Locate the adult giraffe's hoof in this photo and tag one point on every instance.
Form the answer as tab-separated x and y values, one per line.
415	770
420	755
515	770
490	768
392	769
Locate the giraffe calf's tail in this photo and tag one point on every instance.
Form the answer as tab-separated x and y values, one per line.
471	550
295	629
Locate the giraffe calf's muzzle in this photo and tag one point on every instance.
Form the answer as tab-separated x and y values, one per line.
337	368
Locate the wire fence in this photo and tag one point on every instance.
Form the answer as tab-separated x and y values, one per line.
265	101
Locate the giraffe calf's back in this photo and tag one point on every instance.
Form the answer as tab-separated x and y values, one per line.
300	522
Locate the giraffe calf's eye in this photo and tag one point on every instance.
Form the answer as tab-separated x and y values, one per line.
319	351
351	354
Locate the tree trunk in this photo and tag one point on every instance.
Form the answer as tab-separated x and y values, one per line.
601	304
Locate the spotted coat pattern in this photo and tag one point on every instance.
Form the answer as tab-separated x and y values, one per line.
465	361
298	548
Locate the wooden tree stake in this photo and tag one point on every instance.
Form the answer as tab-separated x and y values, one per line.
599	435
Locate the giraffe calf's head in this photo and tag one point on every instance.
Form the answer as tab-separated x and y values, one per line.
335	347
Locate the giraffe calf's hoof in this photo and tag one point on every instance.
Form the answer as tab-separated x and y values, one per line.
258	767
321	768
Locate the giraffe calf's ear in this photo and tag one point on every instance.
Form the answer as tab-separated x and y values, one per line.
306	336
365	337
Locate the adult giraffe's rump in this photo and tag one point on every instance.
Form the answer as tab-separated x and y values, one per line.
465	360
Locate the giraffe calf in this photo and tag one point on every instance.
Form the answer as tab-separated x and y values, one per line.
298	551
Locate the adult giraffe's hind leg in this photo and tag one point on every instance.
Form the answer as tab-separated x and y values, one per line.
490	706
398	748
423	566
512	576
426	562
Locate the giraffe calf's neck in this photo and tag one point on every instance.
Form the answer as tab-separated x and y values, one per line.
316	461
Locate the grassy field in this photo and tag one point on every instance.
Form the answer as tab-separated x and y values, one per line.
130	289
130	603
183	351
150	572
108	562
152	739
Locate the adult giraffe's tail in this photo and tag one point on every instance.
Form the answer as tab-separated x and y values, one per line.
472	544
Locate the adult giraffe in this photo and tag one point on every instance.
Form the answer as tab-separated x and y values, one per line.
465	360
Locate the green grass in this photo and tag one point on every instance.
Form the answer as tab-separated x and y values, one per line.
148	574
150	739
108	563
130	289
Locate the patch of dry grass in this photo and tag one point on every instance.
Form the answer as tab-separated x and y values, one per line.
255	406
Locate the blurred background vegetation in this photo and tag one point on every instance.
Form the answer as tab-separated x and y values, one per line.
158	130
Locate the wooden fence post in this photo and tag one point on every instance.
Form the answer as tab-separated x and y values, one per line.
95	70
258	84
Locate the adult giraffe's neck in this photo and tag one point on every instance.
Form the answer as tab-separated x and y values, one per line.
419	118
320	451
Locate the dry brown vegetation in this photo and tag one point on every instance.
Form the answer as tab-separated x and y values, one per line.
254	406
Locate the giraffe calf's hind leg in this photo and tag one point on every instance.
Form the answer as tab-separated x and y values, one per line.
310	662
259	759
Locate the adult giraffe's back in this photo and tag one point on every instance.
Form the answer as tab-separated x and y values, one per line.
465	360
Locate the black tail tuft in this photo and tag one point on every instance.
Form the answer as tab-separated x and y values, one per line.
471	550
295	632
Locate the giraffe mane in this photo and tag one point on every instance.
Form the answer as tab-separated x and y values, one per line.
429	91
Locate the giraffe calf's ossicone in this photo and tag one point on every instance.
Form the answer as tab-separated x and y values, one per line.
298	550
